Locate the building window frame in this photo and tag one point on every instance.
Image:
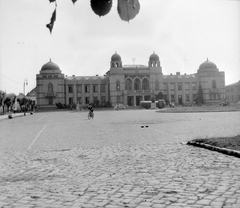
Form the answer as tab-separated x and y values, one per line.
70	88
87	88
214	84
79	88
95	88
137	84
128	84
117	85
103	87
50	87
145	84
179	87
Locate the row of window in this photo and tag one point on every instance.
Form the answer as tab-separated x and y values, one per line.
50	76
187	97
87	100
232	98
137	84
232	89
186	86
179	86
87	88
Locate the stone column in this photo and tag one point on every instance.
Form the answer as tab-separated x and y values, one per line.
75	94
176	92
183	92
83	95
99	93
67	98
190	92
90	93
168	92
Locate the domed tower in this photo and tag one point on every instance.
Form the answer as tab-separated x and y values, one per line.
50	86
212	82
156	75
116	60
50	68
207	66
154	60
116	79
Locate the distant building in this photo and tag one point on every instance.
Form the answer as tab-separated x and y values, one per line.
233	92
32	95
129	84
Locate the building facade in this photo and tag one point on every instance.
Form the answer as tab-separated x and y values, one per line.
129	84
233	92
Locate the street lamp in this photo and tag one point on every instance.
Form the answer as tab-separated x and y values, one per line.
117	95
25	82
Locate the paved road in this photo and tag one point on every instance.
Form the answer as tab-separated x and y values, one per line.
134	158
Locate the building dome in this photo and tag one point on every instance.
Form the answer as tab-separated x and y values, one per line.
116	57
50	66
207	65
154	57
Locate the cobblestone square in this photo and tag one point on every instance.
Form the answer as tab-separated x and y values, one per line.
132	158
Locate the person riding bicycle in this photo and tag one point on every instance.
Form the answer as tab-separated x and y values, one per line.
90	109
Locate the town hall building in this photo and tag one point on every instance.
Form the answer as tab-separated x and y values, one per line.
129	84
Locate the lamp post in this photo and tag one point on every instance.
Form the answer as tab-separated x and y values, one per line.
117	96
25	82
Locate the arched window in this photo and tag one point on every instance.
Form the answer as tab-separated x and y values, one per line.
128	84
137	84
50	87
214	85
117	85
156	85
145	84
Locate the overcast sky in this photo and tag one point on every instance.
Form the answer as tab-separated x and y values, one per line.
184	33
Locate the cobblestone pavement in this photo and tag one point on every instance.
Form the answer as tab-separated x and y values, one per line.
118	159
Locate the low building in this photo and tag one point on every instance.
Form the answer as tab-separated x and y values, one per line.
129	84
233	92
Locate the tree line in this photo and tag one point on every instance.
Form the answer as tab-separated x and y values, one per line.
7	103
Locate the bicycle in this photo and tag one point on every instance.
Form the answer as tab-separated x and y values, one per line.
90	115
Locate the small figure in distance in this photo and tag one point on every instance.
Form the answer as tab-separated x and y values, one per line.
90	109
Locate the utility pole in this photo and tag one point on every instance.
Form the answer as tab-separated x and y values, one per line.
25	82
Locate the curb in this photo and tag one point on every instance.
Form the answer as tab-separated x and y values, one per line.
230	152
198	111
13	116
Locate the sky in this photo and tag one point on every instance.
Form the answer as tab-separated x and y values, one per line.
183	33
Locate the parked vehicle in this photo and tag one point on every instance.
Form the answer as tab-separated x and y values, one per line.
161	103
146	104
120	107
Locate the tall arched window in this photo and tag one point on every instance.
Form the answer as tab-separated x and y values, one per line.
128	84
117	85
137	84
214	85
156	85
145	84
50	87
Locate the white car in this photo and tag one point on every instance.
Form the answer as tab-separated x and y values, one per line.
120	107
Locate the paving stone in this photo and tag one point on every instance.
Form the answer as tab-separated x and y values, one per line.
158	206
113	163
